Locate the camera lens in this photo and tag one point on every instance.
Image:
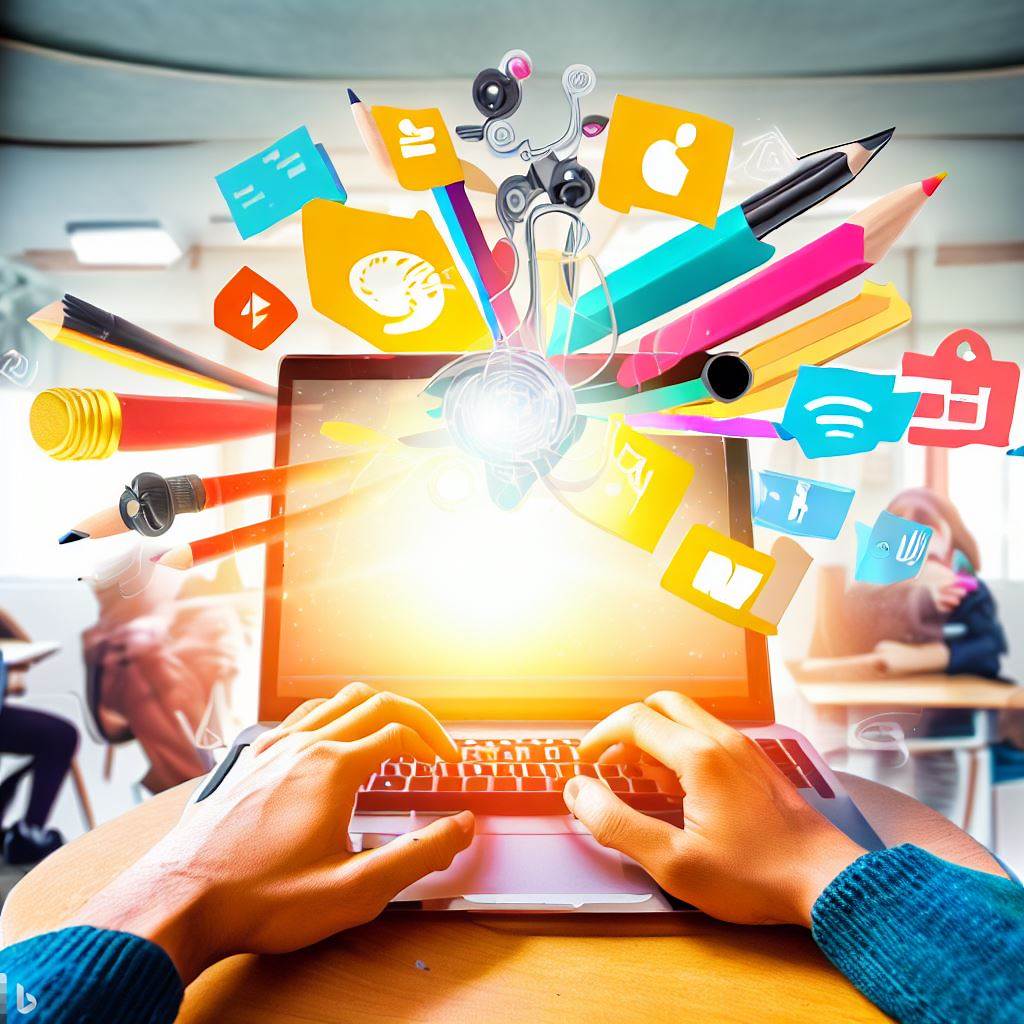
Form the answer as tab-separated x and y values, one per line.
495	94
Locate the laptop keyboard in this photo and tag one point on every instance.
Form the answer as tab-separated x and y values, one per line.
505	776
789	757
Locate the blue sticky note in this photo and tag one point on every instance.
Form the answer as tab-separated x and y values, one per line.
834	411
276	183
891	551
1015	451
798	506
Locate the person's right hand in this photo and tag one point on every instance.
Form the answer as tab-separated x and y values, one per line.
752	850
945	589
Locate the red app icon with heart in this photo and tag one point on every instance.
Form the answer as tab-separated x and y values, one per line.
253	310
967	397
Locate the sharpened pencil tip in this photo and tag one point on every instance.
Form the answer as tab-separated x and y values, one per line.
71	536
352	97
878	140
931	184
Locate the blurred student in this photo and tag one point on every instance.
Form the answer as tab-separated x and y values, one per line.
153	661
50	743
944	620
924	939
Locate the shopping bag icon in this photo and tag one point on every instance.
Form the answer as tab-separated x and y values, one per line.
967	397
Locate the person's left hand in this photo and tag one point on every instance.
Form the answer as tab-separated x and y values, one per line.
263	865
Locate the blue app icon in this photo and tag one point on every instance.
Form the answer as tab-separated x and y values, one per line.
891	551
798	506
274	184
835	411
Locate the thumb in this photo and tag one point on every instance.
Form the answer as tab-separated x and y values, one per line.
613	823
391	868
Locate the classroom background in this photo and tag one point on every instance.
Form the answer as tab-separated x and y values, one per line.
128	113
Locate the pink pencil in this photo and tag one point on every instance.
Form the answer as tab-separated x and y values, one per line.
817	268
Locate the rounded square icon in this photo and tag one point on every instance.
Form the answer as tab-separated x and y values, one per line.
665	159
420	147
253	310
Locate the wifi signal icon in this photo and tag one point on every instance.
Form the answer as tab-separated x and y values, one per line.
833	410
841	424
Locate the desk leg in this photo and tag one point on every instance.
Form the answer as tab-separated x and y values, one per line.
78	781
979	818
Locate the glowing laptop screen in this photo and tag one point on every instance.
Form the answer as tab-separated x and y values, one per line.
432	591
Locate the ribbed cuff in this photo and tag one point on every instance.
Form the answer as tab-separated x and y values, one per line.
928	941
84	974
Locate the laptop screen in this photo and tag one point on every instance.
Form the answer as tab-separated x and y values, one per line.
431	590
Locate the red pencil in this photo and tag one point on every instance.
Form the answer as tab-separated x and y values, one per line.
221	545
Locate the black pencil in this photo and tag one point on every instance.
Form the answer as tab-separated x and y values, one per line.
86	319
816	177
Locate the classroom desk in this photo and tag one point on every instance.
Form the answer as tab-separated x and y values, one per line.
844	703
595	969
932	691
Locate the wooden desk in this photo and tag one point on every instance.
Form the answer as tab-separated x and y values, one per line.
597	969
939	691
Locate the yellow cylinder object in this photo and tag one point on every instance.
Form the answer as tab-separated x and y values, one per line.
76	423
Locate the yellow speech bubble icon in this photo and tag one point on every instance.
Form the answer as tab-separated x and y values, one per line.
665	159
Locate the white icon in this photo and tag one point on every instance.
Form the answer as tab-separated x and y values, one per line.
633	466
912	547
662	168
255	309
249	195
415	141
798	509
839	419
401	285
944	390
768	156
881	732
17	368
24	1001
725	581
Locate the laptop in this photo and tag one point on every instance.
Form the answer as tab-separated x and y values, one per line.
519	630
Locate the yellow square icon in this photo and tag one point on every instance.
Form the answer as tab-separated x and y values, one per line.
420	147
638	490
720	575
391	280
665	159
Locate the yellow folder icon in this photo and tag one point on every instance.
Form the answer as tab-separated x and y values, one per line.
637	490
734	582
391	280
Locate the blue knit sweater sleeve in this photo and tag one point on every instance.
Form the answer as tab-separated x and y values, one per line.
88	975
927	941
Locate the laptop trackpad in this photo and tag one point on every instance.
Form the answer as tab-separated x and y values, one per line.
566	869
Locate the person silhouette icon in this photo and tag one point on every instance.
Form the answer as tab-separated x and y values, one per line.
663	167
